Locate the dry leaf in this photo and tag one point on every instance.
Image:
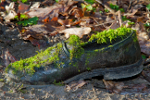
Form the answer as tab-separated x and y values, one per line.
78	13
36	31
11	15
10	12
34	6
76	31
66	22
22	7
114	25
48	12
73	86
114	87
138	87
146	75
10	7
7	58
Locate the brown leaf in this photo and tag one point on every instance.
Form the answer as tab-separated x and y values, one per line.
48	2
35	5
138	87
145	47
76	12
7	57
37	31
114	25
143	38
76	31
47	12
75	85
114	87
34	41
22	7
146	75
66	22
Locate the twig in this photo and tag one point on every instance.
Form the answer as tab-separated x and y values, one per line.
104	23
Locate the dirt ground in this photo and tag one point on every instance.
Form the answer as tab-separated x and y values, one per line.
138	87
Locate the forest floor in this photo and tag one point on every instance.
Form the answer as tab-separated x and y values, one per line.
133	88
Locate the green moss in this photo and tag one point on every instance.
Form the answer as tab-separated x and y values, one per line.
59	83
77	49
88	68
108	35
1	80
41	59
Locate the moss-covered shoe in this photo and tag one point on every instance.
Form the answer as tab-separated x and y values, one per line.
114	54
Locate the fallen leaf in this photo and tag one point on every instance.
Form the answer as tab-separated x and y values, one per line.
47	12
146	75
66	22
22	7
36	31
11	15
76	12
114	25
76	31
7	57
114	87
35	5
34	41
10	7
138	87
73	86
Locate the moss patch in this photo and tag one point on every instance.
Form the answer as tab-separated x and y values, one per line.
108	35
41	59
77	49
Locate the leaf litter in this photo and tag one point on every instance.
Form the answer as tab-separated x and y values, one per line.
80	18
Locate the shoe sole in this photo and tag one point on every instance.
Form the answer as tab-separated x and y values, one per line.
111	73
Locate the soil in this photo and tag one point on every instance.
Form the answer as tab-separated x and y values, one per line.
138	86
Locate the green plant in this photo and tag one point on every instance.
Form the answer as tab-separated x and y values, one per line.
148	6
24	20
131	23
89	7
147	24
30	21
90	1
122	10
116	7
88	68
124	18
21	17
106	10
1	80
58	84
57	1
23	1
143	56
100	12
